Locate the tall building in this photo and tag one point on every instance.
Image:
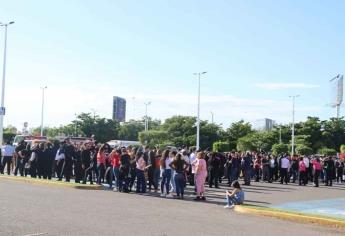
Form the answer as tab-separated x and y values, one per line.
265	124
119	109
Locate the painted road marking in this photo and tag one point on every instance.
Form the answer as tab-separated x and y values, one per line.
330	207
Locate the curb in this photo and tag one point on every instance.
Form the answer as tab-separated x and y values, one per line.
291	216
51	183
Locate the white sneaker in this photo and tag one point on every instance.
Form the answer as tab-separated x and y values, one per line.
227	206
232	206
163	195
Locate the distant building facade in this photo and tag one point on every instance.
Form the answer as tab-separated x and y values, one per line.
119	109
265	124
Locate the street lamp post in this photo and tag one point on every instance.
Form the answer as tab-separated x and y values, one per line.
146	118
3	84
42	110
212	116
293	124
198	117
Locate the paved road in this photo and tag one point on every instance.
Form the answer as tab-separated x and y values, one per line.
28	209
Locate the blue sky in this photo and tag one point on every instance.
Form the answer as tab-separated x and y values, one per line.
256	53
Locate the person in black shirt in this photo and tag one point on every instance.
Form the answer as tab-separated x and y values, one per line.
213	169
179	166
20	159
68	164
151	169
124	171
77	164
330	171
87	163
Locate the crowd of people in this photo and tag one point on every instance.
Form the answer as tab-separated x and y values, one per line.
168	171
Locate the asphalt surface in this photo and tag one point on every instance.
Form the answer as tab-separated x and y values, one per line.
28	209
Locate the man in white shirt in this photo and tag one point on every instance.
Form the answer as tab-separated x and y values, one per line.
7	152
284	169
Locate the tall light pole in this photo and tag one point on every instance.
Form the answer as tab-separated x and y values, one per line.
42	111
146	118
212	116
198	117
2	113
293	125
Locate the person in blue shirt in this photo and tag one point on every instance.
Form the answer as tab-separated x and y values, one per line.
234	197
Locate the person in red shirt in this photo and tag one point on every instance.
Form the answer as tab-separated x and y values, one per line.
302	172
317	169
115	161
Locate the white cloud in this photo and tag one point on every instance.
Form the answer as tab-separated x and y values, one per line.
276	86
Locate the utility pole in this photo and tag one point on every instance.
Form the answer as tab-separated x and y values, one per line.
198	115
293	125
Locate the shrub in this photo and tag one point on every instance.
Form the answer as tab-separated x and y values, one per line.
304	150
327	151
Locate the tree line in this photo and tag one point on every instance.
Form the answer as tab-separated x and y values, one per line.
311	136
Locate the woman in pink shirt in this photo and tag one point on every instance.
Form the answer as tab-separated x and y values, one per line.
200	176
139	171
101	163
302	172
317	170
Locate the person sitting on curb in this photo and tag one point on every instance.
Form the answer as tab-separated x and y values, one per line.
234	197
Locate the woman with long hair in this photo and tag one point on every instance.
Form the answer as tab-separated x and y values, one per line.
179	166
101	163
140	169
200	176
234	197
166	172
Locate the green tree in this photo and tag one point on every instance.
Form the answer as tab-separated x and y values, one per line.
153	137
130	130
181	130
304	150
221	147
279	148
236	131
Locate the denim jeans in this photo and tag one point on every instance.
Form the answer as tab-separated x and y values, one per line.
247	176
166	176
231	200
101	170
109	175
172	182
179	183
156	175
234	174
141	182
116	176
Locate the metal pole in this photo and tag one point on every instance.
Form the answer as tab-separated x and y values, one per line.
42	110
75	127
212	115
293	125
198	118
280	134
338	111
3	90
146	128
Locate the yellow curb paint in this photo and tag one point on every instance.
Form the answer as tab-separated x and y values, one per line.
52	183
295	217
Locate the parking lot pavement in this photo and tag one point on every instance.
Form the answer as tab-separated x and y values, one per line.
38	209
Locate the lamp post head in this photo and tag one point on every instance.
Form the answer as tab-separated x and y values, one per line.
12	22
204	72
